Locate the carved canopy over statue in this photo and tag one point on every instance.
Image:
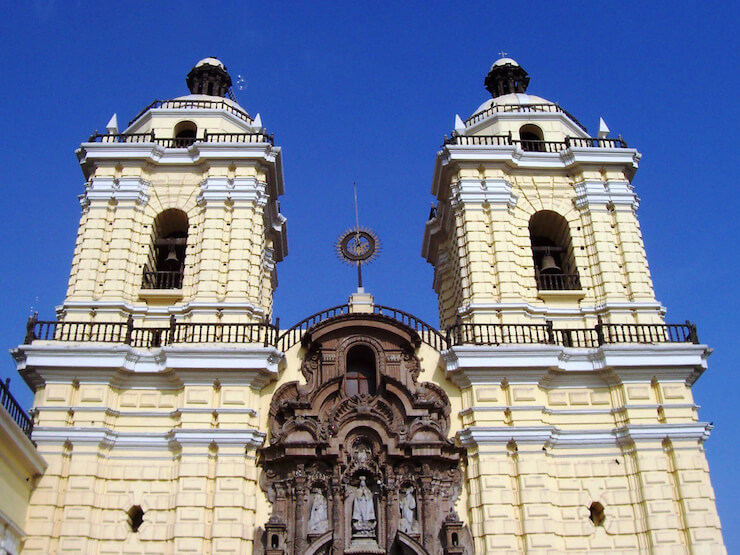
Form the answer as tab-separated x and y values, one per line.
358	459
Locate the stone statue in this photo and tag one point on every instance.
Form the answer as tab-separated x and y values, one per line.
408	523
363	511
318	521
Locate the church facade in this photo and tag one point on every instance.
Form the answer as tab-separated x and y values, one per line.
550	412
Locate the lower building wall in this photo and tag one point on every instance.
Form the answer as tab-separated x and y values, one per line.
656	498
200	499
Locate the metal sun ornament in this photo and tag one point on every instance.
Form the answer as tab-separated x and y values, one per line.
358	246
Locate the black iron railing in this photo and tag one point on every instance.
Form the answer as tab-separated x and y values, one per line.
427	333
534	145
181	142
601	334
558	282
267	334
13	408
195	104
294	334
498	108
161	279
149	337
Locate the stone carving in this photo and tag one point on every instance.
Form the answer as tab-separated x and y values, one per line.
407	506
361	473
363	511
318	522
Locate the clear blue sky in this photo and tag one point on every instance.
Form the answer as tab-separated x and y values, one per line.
365	92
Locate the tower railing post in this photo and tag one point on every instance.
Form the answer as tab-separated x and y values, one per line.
129	329
30	325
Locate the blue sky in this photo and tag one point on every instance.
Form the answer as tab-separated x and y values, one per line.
365	92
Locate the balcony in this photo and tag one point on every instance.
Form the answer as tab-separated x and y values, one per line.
192	104
180	142
534	145
160	279
546	334
9	403
558	282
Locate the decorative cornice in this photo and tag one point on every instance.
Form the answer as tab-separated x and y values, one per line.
554	366
601	195
527	309
552	436
120	189
171	366
496	192
172	440
238	189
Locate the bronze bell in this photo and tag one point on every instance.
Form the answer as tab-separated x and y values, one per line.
548	265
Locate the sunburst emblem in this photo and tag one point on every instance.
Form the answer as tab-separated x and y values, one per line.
358	246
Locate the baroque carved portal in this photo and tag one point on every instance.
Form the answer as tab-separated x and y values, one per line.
358	459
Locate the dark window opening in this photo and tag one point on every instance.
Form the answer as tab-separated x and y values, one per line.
166	265
274	541
185	132
596	513
360	376
135	517
532	138
552	252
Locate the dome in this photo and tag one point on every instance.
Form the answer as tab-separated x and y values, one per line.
503	62
211	61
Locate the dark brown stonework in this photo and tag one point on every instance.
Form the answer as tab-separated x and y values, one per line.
366	473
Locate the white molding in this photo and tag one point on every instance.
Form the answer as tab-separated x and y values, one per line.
120	189
595	194
238	189
171	366
172	440
190	309
495	192
552	436
554	366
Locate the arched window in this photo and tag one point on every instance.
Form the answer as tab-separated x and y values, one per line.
185	132
552	251
360	378
532	138
166	264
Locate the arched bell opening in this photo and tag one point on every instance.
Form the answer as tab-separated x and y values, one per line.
552	252
185	133
166	265
532	138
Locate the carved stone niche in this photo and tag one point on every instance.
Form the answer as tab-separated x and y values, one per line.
358	459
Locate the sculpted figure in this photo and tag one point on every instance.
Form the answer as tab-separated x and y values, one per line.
407	505
318	522
363	510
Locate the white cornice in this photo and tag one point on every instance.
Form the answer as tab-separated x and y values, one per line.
554	366
191	309
600	195
551	436
172	440
171	366
239	189
120	189
496	192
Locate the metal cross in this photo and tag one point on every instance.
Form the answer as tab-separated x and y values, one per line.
503	54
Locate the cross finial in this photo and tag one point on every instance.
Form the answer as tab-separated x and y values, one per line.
503	54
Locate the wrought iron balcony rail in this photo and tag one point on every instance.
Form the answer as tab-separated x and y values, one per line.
181	142
601	334
150	337
267	334
534	145
160	279
558	282
499	108
13	408
195	104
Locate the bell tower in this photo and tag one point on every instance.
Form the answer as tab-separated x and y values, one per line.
180	213
536	220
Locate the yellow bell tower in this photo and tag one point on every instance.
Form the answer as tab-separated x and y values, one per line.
576	409
535	219
180	213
